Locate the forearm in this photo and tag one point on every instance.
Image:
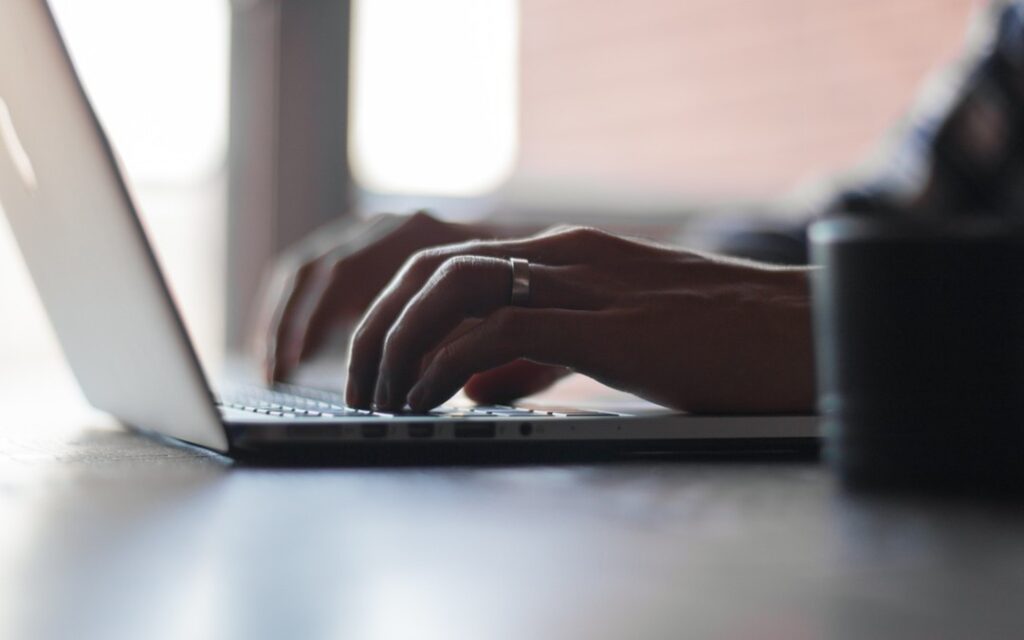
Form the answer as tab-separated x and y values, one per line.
789	341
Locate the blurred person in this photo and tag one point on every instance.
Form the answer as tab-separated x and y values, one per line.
432	303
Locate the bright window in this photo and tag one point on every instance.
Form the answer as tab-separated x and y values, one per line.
434	95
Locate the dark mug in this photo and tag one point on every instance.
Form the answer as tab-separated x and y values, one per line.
919	336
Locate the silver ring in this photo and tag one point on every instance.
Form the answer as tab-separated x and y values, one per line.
520	282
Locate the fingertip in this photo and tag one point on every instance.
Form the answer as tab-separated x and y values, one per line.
354	395
382	395
272	371
417	399
426	396
482	393
309	347
279	374
282	368
266	367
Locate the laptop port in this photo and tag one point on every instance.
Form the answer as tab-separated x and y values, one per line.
475	430
420	430
374	430
525	429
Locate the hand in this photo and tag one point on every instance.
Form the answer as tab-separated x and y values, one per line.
682	329
329	280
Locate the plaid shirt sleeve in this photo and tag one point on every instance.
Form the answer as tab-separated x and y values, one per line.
961	149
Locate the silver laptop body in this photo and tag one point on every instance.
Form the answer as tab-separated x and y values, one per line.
77	228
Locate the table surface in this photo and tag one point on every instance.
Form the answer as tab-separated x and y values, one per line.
107	534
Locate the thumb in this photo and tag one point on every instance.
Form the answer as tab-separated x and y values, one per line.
514	380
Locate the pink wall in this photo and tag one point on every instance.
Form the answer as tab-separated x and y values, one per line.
712	96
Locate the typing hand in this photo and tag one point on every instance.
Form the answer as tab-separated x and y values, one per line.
328	281
682	329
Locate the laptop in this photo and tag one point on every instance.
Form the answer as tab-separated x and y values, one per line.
77	227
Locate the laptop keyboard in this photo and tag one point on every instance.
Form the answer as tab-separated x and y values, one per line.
291	402
304	403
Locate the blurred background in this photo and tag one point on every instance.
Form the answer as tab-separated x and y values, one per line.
243	125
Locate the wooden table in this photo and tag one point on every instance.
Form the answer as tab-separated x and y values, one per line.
105	534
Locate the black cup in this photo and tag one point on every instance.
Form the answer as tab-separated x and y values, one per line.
919	330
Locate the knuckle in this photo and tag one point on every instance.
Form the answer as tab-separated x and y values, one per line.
305	269
290	273
454	270
584	234
423	262
576	234
293	259
359	337
336	272
422	217
456	264
557	229
335	267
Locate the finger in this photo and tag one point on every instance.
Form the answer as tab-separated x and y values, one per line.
281	355
465	287
295	276
356	269
551	336
462	288
352	284
315	313
564	247
517	379
323	313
